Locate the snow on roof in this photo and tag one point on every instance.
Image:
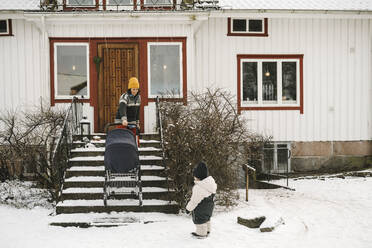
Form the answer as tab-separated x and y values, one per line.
19	4
356	5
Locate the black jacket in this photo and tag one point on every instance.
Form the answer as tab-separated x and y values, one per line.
203	212
129	108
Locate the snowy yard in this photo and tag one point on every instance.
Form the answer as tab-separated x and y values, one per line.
321	213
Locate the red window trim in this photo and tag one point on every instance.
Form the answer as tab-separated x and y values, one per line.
271	56
10	32
53	100
264	34
74	7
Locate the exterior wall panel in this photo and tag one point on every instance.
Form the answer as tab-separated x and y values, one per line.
337	75
20	73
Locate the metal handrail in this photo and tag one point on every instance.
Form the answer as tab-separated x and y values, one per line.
69	128
247	169
160	127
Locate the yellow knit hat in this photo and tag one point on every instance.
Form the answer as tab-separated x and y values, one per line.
133	83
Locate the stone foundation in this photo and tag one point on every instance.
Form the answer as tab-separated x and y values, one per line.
331	156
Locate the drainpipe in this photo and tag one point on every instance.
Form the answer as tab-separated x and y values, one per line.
195	27
44	62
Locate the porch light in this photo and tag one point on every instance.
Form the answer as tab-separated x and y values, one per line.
73	67
164	67
84	127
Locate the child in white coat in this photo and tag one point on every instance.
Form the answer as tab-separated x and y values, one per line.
201	203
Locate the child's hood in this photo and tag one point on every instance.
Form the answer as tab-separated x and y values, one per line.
208	184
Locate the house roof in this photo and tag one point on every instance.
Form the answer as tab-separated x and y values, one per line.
19	4
341	5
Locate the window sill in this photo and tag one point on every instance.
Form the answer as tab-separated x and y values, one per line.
262	108
248	34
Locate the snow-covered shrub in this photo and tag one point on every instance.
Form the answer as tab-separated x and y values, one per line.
23	195
208	129
27	141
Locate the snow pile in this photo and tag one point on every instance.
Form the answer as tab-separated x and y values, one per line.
24	195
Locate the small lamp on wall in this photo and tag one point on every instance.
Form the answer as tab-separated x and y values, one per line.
84	127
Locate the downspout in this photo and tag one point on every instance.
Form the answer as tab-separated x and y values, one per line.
195	27
44	58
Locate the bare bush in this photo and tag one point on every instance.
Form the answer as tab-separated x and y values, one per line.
29	138
208	129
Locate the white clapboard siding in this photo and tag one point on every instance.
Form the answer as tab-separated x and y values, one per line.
337	68
21	70
337	75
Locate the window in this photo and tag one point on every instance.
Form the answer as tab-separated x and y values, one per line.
247	27
5	28
120	2
270	82
165	69
81	2
277	158
71	70
159	2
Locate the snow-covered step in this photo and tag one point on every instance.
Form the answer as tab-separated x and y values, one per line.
98	160
99	151
102	168
102	149
100	190
127	205
97	193
95	179
124	202
98	181
104	219
74	171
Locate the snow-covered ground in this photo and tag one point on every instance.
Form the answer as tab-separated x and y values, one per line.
321	213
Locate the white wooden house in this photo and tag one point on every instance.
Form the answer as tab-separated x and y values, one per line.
300	70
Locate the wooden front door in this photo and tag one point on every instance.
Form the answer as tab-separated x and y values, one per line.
119	63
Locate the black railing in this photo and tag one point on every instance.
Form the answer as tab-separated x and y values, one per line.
159	124
133	5
63	146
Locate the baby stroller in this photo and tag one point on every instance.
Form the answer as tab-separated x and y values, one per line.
122	167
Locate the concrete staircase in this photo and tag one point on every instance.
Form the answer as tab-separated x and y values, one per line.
83	185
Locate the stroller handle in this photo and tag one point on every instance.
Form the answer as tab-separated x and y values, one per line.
110	125
117	124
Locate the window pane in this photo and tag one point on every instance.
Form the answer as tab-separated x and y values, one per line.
81	2
3	26
71	70
289	81
255	26
165	69
269	81
158	2
120	2
268	161
239	25
282	157
250	81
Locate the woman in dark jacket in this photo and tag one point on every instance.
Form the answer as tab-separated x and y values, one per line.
129	105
